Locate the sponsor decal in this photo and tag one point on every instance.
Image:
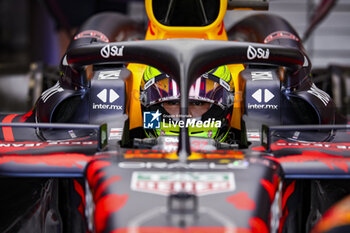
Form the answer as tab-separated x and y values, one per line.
224	84
209	123
111	51
115	133
107	96
149	83
11	147
253	136
107	106
315	145
263	96
151	120
113	96
51	91
296	135
72	134
261	75
92	34
115	74
39	144
199	183
280	35
267	95
340	147
170	144
237	164
321	95
263	106
253	53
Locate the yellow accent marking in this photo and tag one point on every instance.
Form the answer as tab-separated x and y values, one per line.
223	73
216	155
225	161
159	31
133	105
150	73
152	155
238	83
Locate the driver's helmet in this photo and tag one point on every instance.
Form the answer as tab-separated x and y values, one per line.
211	99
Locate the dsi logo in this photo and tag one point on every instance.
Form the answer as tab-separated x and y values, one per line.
151	120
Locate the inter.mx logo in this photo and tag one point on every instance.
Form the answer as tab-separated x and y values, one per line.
262	96
151	120
258	95
113	96
107	96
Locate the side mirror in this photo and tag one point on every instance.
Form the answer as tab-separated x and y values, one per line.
262	5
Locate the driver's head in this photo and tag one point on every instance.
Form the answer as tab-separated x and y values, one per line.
211	100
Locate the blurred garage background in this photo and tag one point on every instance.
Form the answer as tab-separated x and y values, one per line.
34	33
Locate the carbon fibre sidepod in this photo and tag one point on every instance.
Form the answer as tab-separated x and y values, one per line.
102	100
268	102
100	28
107	94
107	99
48	106
313	98
262	97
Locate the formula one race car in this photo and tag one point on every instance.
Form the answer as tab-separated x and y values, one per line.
180	130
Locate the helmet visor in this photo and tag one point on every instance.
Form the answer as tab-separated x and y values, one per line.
202	92
195	108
